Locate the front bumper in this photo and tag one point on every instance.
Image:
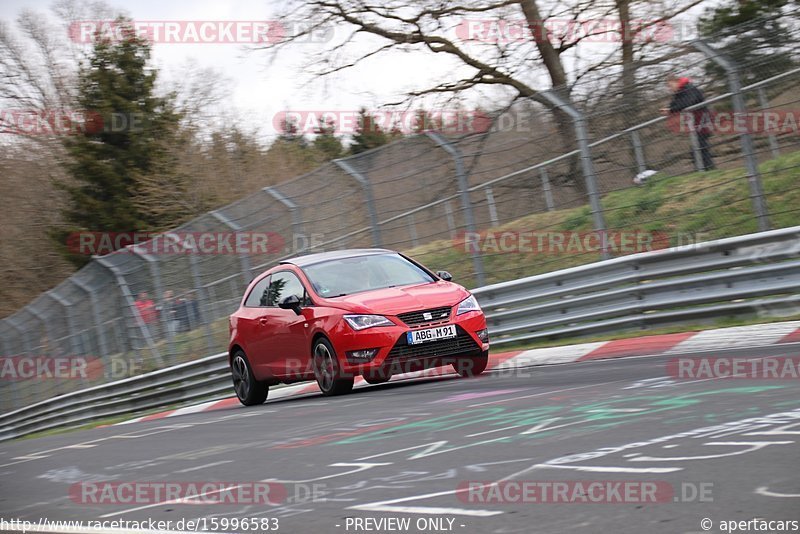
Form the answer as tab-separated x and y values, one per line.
396	356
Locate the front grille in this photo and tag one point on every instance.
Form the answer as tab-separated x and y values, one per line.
461	345
419	318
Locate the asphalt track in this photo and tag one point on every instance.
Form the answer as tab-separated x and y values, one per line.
408	451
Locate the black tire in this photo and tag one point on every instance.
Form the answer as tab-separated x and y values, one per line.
249	391
468	367
379	377
327	371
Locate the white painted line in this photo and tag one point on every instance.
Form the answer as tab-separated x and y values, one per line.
599	469
197	468
377	507
764	491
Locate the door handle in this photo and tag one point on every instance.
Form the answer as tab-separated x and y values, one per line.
263	321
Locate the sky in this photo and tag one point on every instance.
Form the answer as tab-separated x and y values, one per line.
256	91
260	90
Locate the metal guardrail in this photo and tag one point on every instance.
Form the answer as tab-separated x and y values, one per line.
723	277
715	278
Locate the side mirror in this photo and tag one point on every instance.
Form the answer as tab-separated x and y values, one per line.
444	275
290	303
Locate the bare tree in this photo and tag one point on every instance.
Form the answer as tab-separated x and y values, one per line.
522	64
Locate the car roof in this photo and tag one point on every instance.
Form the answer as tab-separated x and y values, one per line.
310	259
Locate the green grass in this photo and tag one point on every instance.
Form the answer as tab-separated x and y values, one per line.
697	206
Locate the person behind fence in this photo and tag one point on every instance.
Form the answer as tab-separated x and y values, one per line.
169	312
146	308
684	95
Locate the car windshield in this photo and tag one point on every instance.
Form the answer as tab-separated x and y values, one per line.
336	278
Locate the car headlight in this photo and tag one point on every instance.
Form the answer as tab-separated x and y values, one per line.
360	322
467	305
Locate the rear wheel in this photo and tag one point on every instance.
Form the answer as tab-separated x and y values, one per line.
329	375
473	366
248	390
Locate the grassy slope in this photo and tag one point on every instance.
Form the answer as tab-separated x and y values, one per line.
702	205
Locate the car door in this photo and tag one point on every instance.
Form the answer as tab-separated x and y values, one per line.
287	343
252	325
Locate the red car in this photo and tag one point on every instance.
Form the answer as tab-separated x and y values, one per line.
333	316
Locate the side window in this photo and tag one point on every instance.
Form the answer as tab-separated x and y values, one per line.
284	284
258	296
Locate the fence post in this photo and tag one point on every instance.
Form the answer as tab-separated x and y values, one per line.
763	101
451	222
582	137
244	259
367	188
56	387
200	298
23	344
137	319
548	192
412	231
697	155
466	204
158	287
739	108
294	210
64	303
638	152
98	323
492	206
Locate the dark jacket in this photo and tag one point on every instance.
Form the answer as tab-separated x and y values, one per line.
689	95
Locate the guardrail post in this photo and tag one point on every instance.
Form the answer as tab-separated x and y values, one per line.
638	152
98	323
366	185
294	210
582	138
466	204
492	206
763	101
137	319
548	192
735	87
244	259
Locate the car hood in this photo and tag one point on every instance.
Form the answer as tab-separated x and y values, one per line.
394	300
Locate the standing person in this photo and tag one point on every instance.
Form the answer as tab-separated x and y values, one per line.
169	312
684	95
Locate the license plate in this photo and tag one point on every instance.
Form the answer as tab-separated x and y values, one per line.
431	334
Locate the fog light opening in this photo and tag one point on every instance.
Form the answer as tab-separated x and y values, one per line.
365	355
483	335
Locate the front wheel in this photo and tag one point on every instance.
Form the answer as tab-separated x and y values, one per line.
249	391
467	367
378	377
327	371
